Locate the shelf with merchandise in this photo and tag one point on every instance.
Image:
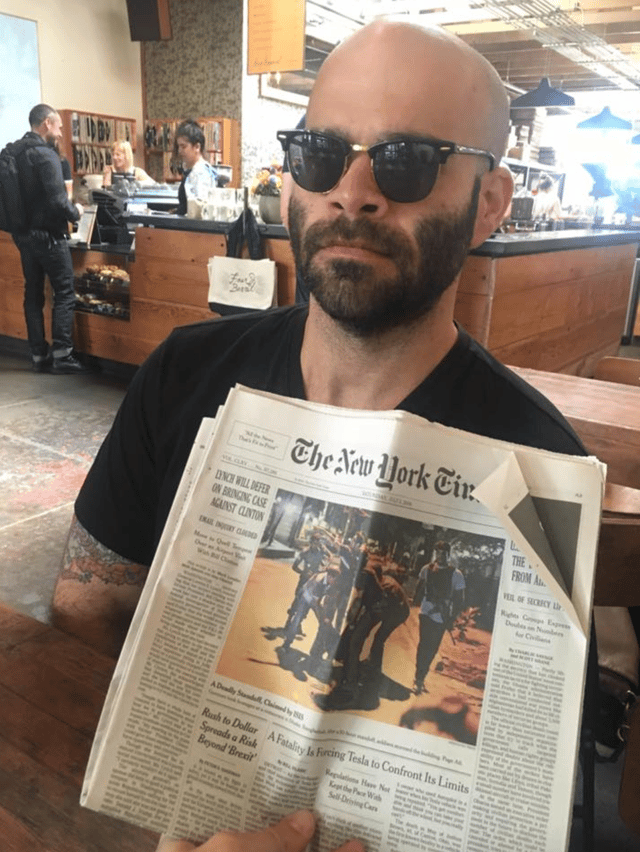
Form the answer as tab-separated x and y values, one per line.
88	138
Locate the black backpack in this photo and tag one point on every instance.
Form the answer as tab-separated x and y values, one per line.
13	215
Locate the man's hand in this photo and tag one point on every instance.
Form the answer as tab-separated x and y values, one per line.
291	834
79	208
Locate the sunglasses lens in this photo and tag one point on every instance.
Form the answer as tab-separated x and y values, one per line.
316	161
406	171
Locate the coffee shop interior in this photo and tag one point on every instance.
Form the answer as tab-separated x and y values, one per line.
553	293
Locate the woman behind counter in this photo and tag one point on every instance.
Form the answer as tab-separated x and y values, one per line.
122	164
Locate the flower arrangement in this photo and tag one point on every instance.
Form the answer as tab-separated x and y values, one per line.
268	181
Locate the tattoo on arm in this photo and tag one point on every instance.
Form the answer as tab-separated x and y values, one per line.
85	559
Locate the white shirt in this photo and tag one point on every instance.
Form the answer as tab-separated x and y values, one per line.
200	180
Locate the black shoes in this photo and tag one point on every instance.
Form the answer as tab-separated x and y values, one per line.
67	365
42	365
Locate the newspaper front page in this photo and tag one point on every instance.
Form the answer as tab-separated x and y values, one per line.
364	613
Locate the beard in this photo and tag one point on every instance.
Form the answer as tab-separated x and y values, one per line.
365	303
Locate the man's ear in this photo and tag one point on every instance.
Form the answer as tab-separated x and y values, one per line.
496	190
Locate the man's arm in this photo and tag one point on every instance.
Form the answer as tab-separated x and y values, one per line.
50	171
96	592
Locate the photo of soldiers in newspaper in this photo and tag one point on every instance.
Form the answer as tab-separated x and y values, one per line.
369	613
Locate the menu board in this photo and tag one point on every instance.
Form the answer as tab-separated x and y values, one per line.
275	36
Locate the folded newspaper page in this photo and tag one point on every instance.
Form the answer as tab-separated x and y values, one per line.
364	613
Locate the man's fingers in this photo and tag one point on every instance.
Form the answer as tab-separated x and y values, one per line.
167	845
291	834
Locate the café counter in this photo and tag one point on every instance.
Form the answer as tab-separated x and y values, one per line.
551	301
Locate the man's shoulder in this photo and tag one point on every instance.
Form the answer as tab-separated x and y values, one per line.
34	146
479	394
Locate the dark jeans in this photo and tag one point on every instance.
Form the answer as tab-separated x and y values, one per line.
391	617
41	255
431	633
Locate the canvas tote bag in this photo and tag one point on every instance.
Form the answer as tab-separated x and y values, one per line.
238	284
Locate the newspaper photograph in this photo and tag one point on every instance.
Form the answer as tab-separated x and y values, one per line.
364	613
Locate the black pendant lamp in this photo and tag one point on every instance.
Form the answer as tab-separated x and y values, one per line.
544	96
604	120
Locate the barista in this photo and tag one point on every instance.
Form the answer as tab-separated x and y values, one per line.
199	175
122	164
546	204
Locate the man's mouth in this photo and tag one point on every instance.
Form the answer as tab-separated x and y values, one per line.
356	249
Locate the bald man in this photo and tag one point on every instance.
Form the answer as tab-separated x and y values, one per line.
394	179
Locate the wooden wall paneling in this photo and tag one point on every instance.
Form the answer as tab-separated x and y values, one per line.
555	304
153	320
280	252
478	275
474	300
523	272
574	349
104	337
473	312
171	266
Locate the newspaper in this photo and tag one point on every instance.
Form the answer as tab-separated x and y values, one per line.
273	661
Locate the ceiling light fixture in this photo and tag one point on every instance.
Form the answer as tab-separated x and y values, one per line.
605	120
545	95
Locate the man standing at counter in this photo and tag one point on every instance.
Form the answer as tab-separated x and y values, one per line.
199	176
43	245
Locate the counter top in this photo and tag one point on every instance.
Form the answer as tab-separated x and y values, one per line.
499	245
534	242
172	222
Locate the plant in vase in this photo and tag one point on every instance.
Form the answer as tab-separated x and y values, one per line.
267	185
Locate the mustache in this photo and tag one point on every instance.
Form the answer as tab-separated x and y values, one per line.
362	233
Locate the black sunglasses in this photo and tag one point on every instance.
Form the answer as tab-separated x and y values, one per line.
404	169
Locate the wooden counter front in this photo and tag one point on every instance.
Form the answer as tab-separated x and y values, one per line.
169	287
559	311
548	302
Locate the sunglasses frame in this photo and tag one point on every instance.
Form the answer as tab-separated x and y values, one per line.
442	148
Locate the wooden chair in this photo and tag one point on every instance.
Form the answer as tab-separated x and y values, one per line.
617	583
624	371
618	579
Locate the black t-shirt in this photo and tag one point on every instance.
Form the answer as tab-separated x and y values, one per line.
128	492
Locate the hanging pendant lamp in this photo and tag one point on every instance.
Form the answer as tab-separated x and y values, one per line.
545	95
605	120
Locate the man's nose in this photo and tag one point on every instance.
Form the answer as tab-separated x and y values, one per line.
357	192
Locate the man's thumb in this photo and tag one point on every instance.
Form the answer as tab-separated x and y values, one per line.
292	833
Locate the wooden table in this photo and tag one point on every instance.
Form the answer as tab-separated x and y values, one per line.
606	416
51	691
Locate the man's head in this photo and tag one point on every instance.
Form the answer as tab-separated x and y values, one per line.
189	142
374	262
441	552
545	183
45	121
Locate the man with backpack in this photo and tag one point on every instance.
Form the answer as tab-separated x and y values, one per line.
35	209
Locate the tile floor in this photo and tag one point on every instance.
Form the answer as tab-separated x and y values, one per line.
50	429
